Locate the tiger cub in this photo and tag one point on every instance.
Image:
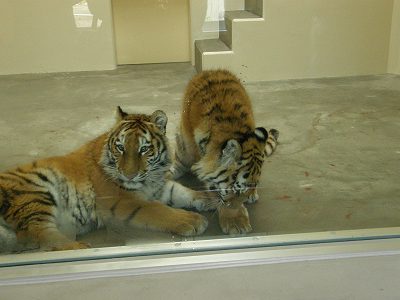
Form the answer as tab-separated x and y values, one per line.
114	177
218	142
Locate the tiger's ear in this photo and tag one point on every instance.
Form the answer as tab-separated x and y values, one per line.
261	134
160	119
231	152
120	114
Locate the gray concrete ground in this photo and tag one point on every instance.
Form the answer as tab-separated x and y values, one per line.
337	166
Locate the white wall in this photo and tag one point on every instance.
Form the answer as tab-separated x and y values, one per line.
311	38
394	54
49	36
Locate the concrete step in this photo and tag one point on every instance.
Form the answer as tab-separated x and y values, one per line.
225	33
204	47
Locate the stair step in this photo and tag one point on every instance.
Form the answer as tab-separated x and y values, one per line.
211	45
207	46
225	33
240	14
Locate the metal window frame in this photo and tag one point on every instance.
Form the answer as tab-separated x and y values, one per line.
196	255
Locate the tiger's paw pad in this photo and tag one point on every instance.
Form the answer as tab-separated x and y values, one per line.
189	223
235	222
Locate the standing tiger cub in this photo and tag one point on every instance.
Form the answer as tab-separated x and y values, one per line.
219	143
112	178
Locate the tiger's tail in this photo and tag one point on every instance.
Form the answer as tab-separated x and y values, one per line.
272	141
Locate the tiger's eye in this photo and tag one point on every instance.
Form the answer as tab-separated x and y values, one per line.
120	147
144	149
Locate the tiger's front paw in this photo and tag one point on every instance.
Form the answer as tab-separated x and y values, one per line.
252	198
205	201
71	246
234	220
189	223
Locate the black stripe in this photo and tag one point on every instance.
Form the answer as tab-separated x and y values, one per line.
270	144
24	221
243	115
26	180
35	201
171	193
215	109
222	180
216	176
41	176
237	106
132	214
228	119
46	195
5	201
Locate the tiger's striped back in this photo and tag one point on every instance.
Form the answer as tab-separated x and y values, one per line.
218	139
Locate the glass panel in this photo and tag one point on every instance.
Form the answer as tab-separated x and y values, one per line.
327	77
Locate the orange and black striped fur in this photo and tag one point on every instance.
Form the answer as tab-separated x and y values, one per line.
219	142
114	177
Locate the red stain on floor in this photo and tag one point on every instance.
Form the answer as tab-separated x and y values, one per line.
284	198
307	189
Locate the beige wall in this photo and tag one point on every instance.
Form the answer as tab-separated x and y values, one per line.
394	53
45	36
312	38
151	31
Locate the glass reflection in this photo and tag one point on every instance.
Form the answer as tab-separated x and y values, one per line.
84	18
215	14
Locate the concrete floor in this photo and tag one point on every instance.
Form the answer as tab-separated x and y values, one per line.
337	166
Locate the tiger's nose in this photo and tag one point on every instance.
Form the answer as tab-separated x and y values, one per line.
128	175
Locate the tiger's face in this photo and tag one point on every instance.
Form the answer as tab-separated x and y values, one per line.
137	149
237	171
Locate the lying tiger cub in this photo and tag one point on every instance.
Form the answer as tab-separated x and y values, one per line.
218	142
113	177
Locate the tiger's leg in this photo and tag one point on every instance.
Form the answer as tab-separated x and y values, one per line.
177	195
47	235
234	220
182	161
157	216
32	215
252	197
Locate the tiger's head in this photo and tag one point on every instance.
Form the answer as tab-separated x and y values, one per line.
136	149
235	171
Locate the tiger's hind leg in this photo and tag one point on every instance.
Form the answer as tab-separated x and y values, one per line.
48	237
